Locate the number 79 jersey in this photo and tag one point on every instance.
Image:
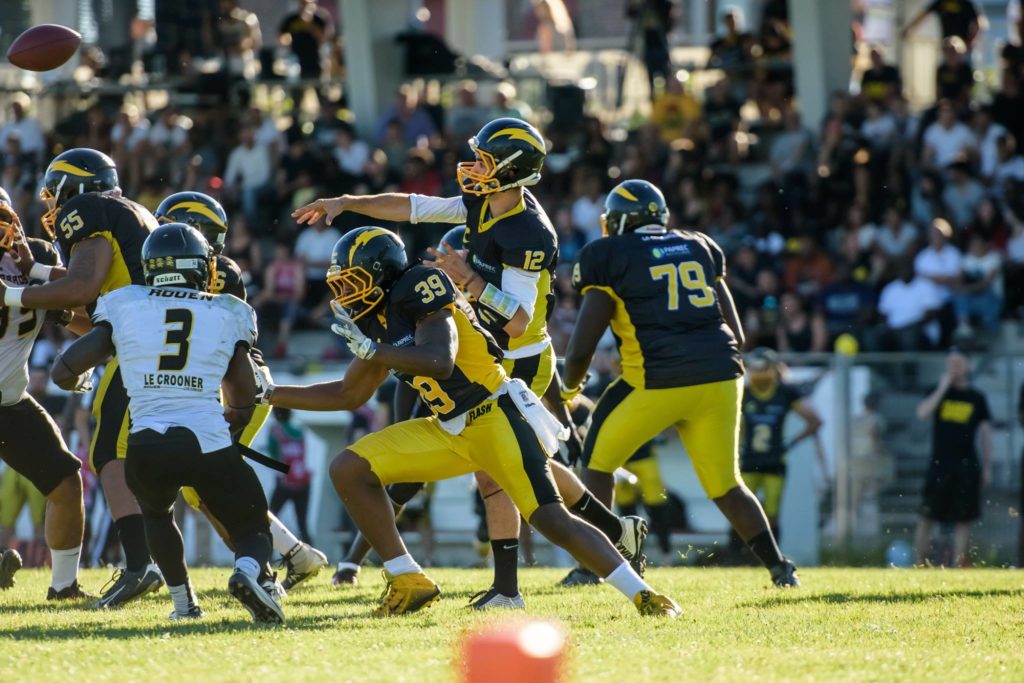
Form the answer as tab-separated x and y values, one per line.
174	346
667	321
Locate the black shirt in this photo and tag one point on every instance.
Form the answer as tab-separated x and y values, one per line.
764	421
667	321
954	82
956	16
304	44
955	427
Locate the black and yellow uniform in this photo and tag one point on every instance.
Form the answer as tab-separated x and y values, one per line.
649	486
522	238
762	447
680	362
495	438
125	225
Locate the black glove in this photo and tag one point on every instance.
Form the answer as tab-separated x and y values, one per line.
573	447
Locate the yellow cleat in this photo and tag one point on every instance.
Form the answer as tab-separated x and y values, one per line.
406	593
651	604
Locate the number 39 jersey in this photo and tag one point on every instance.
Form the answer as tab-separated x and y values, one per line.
19	327
422	291
174	346
667	321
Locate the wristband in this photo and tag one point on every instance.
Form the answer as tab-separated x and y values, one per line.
264	399
12	296
40	272
498	301
566	393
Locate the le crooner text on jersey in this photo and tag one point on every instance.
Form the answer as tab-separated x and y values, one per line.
174	346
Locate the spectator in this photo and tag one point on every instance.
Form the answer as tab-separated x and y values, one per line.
808	268
990	224
465	117
305	31
25	128
846	306
507	106
351	154
959	18
947	139
962	195
420	175
243	249
1009	166
674	111
799	332
988	134
570	237
279	302
287	443
248	173
415	127
314	248
742	278
955	479
167	147
127	138
653	21
939	263
1008	104
791	153
896	239
980	294
296	170
880	81
721	117
553	23
954	78
909	306
238	35
763	318
589	205
326	126
879	128
731	51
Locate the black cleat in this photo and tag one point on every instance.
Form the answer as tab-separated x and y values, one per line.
125	586
10	563
262	602
347	574
72	592
784	575
494	599
580	576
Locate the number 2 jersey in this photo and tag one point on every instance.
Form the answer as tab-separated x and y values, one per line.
667	321
174	346
419	292
763	431
19	327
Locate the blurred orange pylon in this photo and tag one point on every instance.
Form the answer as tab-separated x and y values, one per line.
514	651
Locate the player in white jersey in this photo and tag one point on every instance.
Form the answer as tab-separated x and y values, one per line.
179	346
30	441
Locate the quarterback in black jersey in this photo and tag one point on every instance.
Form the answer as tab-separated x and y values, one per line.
664	294
767	403
506	272
205	214
99	234
414	322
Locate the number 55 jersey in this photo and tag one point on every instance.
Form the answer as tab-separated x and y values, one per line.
174	346
667	322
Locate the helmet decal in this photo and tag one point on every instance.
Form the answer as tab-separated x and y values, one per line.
520	134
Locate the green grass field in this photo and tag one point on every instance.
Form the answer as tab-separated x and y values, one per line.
845	624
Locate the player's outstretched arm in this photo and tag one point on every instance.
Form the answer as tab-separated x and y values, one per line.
595	314
90	262
812	422
360	382
392	206
82	356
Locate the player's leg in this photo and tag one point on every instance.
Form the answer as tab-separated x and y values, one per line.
10	508
32	445
277	499
36	503
922	541
503	529
711	436
414	450
654	497
300	500
107	453
517	462
347	572
774	484
961	540
155	468
232	491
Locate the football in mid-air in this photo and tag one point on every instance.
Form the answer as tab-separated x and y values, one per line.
44	47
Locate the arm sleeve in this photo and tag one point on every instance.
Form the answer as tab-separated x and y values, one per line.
426	209
522	286
246	332
101	312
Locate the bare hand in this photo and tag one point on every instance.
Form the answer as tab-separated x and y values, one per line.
22	254
454	262
314	211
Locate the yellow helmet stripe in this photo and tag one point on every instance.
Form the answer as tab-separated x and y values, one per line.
521	134
65	167
625	193
362	238
201	209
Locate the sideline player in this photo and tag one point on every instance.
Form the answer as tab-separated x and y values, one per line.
181	434
30	441
100	235
413	321
506	274
767	403
205	214
664	294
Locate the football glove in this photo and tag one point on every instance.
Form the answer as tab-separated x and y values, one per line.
358	343
84	383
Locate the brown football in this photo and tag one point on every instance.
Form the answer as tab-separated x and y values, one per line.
44	47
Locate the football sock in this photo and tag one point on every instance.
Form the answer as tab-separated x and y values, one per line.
764	547
132	532
659	515
506	566
284	540
183	597
248	566
595	512
403	564
65	567
627	581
